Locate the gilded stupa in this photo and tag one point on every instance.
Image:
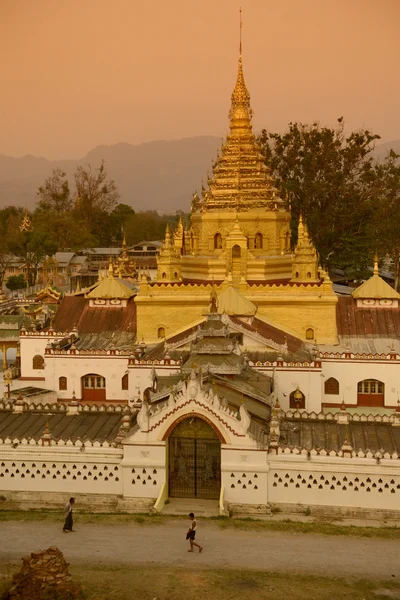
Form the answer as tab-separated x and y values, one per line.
239	224
239	237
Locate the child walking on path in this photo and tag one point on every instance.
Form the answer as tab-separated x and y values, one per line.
191	534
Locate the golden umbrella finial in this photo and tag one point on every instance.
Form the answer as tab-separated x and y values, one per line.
240	31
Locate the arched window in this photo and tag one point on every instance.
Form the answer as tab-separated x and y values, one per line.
93	387
217	241
258	241
308	275
332	386
297	399
370	392
38	362
297	274
161	332
62	383
124	382
164	276
236	251
175	275
309	333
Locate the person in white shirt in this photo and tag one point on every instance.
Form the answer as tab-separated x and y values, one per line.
191	534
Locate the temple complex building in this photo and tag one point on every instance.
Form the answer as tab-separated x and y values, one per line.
234	374
239	236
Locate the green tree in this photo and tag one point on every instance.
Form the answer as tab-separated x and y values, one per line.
55	196
67	232
385	224
32	247
94	193
329	178
148	225
16	282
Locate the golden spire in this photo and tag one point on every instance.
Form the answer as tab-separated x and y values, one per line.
300	228
240	180
240	96
167	241
376	268
240	31
26	224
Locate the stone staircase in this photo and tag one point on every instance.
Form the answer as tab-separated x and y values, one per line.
184	506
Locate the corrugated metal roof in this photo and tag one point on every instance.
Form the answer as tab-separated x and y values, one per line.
30	425
75	310
353	321
330	436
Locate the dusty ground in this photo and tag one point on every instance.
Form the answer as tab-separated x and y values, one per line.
164	544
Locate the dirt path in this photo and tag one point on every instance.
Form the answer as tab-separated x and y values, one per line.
165	544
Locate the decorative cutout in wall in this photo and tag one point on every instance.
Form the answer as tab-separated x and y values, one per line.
245	482
335	483
59	471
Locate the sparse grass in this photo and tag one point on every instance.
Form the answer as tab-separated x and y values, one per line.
289	526
123	582
320	526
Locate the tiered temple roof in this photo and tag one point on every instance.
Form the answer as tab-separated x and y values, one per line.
240	180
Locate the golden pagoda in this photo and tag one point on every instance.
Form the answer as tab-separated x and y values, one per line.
124	266
26	224
305	263
169	259
239	238
240	223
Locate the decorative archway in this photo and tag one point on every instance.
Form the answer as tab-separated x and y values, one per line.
236	251
217	241
194	447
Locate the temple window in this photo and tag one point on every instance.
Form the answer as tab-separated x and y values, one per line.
308	275
297	274
258	241
38	362
164	276
124	382
176	275
161	332
332	386
62	383
236	251
370	392
94	382
297	399
309	333
217	241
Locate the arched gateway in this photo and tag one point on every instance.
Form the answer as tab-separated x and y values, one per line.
194	460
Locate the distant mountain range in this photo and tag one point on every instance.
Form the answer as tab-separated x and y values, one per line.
160	175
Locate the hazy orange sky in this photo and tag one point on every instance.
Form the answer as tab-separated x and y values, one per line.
79	73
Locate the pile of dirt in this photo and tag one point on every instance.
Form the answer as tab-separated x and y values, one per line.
43	576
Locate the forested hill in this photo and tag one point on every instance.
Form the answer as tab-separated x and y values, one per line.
160	175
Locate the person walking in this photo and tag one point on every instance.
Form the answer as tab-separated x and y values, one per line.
68	515
191	534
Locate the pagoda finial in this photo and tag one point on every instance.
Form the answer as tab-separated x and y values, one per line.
240	96
300	228
240	31
167	236
376	268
